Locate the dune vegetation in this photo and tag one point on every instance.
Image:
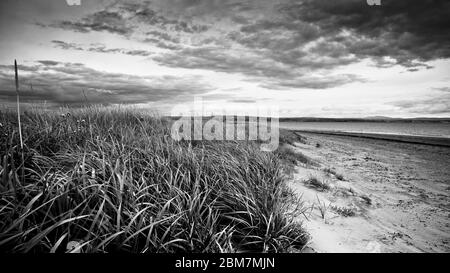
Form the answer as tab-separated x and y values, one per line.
111	179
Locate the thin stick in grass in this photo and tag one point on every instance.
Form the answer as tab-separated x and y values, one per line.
85	98
18	119
18	104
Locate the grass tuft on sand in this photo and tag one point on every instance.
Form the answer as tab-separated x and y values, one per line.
317	183
338	176
104	179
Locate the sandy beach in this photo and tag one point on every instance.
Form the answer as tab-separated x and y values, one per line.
374	195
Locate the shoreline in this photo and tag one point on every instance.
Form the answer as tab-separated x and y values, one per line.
422	140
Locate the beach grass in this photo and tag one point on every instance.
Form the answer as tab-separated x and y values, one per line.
317	183
111	179
332	171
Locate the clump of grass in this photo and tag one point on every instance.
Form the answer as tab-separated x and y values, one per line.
288	155
291	137
322	207
105	179
351	191
344	211
318	184
338	176
366	199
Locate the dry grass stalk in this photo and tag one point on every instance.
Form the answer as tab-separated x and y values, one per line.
18	104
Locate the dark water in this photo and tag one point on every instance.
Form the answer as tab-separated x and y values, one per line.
425	129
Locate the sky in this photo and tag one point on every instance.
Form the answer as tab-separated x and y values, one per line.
317	58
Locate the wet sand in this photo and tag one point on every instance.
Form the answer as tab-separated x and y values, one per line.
399	194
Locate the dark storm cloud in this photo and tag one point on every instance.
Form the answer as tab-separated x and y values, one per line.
62	83
407	31
268	51
100	48
322	34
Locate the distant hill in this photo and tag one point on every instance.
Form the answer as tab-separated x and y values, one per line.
377	117
366	119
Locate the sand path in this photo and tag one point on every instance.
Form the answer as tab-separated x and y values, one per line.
399	194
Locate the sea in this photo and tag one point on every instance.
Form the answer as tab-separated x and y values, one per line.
423	129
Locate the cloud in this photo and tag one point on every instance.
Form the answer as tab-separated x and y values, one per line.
137	21
48	63
164	36
313	82
242	101
144	53
302	38
100	48
162	44
284	44
305	38
439	104
104	20
64	45
442	89
62	83
410	31
127	19
259	67
143	13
